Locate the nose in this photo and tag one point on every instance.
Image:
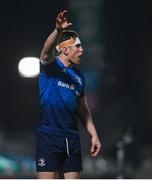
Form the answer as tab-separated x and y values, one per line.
81	49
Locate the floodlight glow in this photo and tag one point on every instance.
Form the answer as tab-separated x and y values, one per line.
28	67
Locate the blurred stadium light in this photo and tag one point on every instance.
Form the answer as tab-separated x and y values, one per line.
28	67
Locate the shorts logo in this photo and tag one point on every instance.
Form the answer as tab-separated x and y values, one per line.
41	162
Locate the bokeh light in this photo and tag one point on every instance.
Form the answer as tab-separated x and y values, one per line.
28	67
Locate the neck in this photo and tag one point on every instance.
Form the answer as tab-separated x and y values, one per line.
65	61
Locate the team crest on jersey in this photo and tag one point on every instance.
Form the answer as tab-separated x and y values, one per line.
78	79
41	162
77	93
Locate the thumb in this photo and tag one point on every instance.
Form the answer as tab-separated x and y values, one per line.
92	149
70	24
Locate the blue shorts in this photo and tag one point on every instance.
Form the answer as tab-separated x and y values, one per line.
54	153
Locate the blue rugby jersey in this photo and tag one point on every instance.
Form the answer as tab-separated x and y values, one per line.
60	90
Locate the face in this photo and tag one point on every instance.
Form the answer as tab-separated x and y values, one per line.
74	53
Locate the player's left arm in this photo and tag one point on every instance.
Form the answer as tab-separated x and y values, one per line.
87	122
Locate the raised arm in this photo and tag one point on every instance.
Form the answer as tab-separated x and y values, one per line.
48	51
87	122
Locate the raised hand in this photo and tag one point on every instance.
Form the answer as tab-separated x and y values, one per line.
62	22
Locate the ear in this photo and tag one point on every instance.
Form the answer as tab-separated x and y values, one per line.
65	51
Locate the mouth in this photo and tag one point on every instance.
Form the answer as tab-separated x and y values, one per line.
80	56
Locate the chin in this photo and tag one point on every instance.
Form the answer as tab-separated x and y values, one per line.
78	62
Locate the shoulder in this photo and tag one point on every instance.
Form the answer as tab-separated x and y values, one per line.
49	67
46	64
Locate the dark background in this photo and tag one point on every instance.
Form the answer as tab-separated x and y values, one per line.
24	28
126	96
128	59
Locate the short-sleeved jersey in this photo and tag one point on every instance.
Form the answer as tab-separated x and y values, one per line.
60	91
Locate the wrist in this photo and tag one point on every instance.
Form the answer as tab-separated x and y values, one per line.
58	30
94	135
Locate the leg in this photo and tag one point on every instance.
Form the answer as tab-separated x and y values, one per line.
73	163
72	175
49	156
47	175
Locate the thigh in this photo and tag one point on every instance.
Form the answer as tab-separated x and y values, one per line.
49	153
47	175
50	162
72	175
73	161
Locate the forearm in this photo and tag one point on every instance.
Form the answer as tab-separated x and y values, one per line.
87	122
50	44
48	51
90	127
86	118
95	142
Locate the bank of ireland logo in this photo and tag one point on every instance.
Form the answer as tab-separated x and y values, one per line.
41	162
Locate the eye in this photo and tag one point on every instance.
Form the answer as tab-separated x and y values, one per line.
78	45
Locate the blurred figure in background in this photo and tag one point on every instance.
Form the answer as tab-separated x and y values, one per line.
63	104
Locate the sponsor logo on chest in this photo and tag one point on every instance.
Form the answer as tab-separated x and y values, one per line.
62	84
65	85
